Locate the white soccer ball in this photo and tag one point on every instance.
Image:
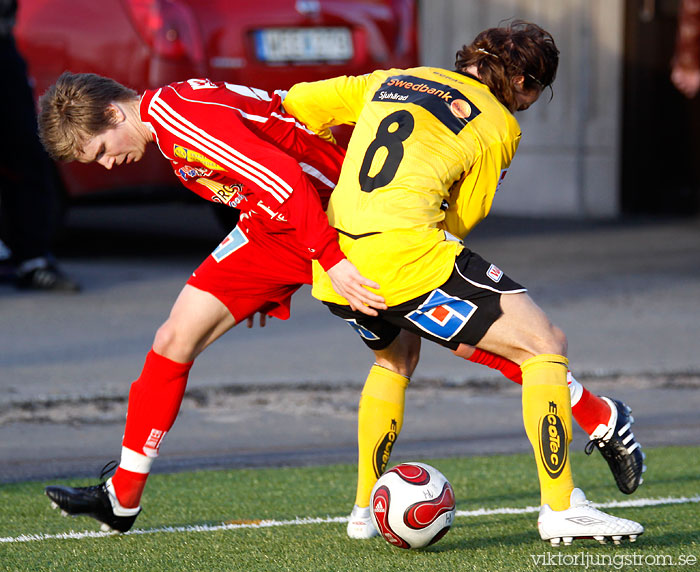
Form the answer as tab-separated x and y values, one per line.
412	505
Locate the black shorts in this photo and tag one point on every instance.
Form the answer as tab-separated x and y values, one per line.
458	312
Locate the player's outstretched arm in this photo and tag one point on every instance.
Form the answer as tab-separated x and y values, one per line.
351	285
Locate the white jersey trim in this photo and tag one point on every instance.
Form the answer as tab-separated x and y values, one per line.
179	126
314	172
246	91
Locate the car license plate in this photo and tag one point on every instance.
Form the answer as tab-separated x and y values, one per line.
304	44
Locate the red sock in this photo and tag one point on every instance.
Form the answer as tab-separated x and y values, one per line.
154	402
508	368
591	411
129	487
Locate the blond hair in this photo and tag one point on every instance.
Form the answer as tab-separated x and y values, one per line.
75	109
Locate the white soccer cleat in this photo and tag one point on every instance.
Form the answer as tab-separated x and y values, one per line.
360	525
581	520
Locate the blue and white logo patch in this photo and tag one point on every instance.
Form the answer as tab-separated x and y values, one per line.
364	332
233	241
442	315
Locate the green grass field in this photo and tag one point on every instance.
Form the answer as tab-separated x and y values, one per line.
176	504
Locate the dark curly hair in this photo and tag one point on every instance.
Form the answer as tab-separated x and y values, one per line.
500	54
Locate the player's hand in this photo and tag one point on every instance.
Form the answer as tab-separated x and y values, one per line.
250	321
351	285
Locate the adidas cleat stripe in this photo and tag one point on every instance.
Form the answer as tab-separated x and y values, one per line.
624	429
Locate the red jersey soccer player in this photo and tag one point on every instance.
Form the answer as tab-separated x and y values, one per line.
228	144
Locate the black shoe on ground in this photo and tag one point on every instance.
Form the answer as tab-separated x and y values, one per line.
94	501
44	275
620	449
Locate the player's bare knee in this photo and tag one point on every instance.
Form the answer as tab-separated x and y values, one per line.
402	366
411	343
402	355
560	340
168	343
554	342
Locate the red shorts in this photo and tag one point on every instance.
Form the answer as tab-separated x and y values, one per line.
253	271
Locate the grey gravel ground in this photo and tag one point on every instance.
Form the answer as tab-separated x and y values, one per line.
627	294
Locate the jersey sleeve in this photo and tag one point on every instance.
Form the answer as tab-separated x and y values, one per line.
472	196
322	104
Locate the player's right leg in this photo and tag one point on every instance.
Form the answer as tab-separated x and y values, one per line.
606	421
381	407
379	422
524	334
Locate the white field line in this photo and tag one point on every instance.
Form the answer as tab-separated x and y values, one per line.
327	520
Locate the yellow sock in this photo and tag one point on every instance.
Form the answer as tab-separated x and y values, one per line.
379	422
547	419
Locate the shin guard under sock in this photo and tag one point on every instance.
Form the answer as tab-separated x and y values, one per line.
154	402
379	422
547	420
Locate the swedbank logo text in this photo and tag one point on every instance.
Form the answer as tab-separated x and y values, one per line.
420	88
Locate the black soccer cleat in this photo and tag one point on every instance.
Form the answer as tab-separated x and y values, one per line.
43	274
620	449
94	501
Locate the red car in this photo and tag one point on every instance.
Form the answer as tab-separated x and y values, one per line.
147	43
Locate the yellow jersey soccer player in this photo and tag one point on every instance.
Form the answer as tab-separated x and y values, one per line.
430	147
415	144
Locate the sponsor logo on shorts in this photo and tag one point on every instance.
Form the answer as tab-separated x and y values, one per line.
233	241
553	442
364	332
495	273
382	451
442	315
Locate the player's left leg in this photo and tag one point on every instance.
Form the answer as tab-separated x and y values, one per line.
606	421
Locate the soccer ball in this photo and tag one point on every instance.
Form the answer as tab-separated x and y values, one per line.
412	505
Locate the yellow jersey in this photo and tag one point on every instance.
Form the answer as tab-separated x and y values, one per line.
427	153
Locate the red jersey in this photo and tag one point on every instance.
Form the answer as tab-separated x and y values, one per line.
235	145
